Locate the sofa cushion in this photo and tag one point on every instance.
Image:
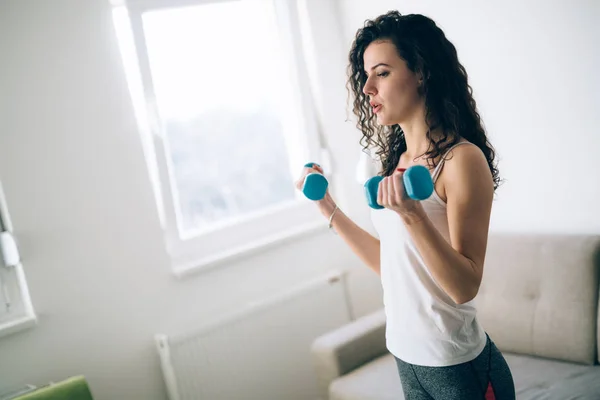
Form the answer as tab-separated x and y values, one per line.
376	380
539	295
542	379
535	379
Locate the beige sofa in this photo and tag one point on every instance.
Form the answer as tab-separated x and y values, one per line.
538	302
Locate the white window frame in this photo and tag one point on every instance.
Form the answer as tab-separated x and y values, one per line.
13	285
257	232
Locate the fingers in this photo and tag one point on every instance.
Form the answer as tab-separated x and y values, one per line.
394	194
318	168
305	171
383	192
398	186
313	168
300	181
391	193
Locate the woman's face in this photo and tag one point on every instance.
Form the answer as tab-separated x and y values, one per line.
392	88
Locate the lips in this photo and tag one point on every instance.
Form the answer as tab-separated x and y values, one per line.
376	107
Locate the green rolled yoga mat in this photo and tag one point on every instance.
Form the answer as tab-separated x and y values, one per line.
74	388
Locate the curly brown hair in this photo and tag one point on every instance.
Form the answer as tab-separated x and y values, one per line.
448	96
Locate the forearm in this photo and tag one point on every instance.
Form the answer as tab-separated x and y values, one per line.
455	273
362	243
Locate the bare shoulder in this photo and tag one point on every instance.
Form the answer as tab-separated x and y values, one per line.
466	156
466	170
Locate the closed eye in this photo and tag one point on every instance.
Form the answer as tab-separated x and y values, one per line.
383	74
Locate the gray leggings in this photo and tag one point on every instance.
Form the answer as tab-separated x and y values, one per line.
469	380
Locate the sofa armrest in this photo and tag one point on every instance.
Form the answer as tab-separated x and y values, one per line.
348	347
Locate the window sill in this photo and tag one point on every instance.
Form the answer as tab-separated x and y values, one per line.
17	325
182	271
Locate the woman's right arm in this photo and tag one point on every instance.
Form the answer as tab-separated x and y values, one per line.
362	243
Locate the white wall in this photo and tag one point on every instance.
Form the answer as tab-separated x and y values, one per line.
72	167
534	67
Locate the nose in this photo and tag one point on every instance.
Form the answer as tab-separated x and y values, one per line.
369	89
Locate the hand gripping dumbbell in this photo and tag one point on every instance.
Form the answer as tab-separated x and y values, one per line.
417	184
315	184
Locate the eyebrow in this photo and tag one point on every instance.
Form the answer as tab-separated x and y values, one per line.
379	65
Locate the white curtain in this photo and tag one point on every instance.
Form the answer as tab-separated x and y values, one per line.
367	166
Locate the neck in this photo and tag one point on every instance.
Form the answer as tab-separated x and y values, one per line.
415	133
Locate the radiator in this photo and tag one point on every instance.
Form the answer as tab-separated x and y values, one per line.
260	352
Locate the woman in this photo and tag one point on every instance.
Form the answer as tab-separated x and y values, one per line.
415	106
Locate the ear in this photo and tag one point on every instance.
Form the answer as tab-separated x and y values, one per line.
420	82
421	77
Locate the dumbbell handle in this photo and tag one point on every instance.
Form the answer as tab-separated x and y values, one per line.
417	184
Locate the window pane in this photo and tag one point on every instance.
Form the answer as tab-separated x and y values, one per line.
217	74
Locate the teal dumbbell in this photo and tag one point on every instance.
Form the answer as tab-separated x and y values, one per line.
417	183
315	184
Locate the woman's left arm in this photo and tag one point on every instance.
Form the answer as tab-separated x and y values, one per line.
457	266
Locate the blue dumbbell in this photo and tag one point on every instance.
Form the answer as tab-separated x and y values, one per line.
417	183
315	184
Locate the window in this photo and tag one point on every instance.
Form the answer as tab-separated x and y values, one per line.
226	99
16	310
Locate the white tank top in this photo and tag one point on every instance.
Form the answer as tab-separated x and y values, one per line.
424	325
